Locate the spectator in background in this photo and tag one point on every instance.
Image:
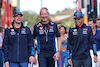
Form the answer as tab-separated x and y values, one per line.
97	38
66	33
98	23
1	58
96	34
64	53
18	43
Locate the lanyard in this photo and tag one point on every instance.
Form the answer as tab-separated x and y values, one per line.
46	31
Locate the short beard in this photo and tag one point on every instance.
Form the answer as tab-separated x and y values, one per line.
45	20
16	22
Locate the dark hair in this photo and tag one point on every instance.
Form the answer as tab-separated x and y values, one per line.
1	28
92	19
64	28
97	19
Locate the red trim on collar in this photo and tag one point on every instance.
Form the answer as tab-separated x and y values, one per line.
17	28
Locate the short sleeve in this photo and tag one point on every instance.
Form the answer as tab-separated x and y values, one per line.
57	32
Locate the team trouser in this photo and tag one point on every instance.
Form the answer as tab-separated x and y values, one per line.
46	60
1	59
85	63
23	64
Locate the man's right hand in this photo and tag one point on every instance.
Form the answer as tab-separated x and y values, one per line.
95	58
34	61
6	64
69	61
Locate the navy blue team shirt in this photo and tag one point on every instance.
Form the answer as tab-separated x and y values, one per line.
52	32
80	38
97	39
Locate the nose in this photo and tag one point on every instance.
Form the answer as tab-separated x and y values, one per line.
44	15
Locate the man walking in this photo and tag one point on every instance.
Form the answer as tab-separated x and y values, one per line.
46	31
80	36
18	43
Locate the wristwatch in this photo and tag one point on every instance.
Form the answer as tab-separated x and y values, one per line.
59	51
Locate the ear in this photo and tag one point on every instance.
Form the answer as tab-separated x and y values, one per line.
48	13
82	19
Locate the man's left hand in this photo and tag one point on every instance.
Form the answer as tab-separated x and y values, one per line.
56	56
33	59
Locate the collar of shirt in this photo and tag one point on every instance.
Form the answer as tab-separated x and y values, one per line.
80	26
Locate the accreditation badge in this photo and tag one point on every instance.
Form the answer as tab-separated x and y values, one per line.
75	32
85	30
23	31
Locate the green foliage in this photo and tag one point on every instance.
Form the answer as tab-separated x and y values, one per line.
66	9
58	11
29	17
52	15
69	23
63	10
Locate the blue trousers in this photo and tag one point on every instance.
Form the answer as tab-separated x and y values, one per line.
85	63
62	59
1	59
46	60
21	64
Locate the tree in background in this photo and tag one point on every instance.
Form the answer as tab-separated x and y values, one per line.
69	23
29	16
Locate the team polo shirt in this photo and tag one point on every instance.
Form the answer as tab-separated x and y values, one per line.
46	34
80	38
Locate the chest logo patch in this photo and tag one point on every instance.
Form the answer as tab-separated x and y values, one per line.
51	29
23	31
85	30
